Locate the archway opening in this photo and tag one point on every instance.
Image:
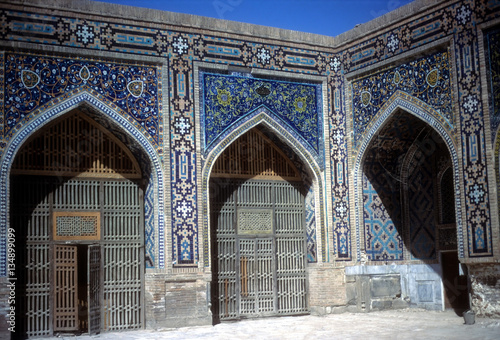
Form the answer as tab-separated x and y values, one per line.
77	209
409	207
259	247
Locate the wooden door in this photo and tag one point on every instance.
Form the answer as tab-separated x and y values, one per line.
257	277
456	294
65	288
94	289
260	250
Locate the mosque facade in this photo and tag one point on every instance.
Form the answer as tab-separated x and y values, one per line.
166	170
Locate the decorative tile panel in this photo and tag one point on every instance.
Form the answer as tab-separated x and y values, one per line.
227	99
311	227
340	170
473	139
454	20
149	223
383	241
34	81
427	79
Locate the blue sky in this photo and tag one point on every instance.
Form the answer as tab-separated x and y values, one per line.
327	17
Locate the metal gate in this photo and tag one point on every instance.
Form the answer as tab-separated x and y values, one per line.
260	248
100	219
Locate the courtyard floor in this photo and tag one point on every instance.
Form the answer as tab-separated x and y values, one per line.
395	324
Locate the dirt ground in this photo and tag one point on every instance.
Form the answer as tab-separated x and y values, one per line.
395	324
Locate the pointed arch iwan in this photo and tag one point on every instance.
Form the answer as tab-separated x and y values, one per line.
421	110
263	117
58	109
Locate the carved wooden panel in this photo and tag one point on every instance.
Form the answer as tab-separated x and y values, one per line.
255	221
76	225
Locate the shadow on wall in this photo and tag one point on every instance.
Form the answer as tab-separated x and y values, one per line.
406	215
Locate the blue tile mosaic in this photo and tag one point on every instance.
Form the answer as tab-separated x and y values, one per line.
227	99
74	100
454	23
33	81
427	79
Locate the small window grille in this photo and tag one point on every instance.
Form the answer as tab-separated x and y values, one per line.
255	221
77	225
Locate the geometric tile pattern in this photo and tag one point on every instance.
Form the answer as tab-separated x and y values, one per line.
228	98
427	79
311	227
149	226
430	26
340	174
383	236
180	50
33	81
472	136
183	158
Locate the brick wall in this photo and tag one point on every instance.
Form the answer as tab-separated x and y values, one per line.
177	300
327	290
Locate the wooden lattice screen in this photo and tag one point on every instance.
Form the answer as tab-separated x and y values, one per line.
65	286
116	292
76	146
260	249
94	289
253	155
79	230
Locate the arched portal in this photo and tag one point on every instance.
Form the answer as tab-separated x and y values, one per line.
77	208
418	109
408	209
258	231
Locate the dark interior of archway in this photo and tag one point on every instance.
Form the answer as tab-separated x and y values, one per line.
408	195
81	138
399	170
